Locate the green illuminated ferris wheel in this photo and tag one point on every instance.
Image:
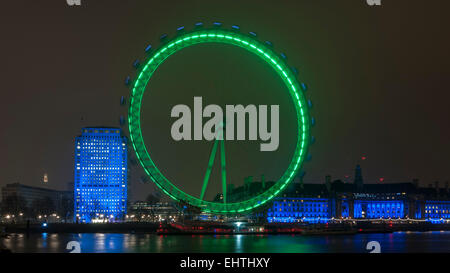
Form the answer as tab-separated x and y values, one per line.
263	50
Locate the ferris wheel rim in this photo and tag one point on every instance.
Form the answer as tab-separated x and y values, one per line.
262	50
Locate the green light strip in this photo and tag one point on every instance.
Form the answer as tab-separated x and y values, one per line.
254	46
208	170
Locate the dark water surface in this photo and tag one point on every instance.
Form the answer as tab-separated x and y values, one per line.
436	241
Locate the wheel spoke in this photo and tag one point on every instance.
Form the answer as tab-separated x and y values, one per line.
224	171
208	170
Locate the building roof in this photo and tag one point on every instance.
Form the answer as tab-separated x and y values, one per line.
316	189
19	185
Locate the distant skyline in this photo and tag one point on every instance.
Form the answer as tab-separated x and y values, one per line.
377	77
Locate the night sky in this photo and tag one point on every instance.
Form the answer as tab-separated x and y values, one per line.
377	76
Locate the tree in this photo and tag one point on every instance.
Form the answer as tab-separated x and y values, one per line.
66	207
43	206
152	199
14	204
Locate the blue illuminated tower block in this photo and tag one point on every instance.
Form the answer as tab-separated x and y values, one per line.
100	186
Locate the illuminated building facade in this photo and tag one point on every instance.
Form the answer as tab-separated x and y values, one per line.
323	202
375	201
373	209
395	201
291	210
345	209
100	184
437	210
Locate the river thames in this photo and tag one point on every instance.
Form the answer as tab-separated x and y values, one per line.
397	242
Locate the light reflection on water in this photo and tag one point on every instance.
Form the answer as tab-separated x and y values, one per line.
435	241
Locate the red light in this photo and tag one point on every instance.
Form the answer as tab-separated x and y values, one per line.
363	158
381	179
